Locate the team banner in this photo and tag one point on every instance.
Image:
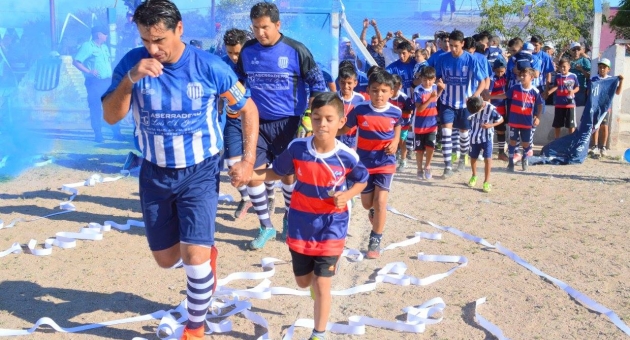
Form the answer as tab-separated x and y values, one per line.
573	148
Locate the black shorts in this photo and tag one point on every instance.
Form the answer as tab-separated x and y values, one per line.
322	266
564	117
274	137
503	126
425	140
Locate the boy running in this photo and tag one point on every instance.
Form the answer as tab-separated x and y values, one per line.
425	123
484	117
378	123
319	214
347	83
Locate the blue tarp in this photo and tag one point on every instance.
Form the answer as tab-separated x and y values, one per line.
572	149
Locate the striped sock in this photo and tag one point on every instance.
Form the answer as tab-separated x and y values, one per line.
455	142
242	189
258	195
464	142
271	189
287	191
511	151
531	136
446	147
198	293
501	140
525	151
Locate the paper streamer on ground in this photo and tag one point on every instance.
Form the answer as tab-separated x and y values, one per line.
583	299
66	239
487	325
171	327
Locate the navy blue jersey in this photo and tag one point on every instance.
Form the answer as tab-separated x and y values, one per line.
278	75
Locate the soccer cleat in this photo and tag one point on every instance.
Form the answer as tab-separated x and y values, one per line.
241	210
472	182
427	174
420	174
374	248
503	156
454	158
314	337
214	254
487	187
264	235
461	165
271	205
402	165
193	334
593	151
525	164
603	152
448	172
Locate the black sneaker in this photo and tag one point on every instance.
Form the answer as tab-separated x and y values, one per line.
374	248
242	208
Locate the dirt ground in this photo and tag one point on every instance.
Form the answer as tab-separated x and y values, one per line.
571	222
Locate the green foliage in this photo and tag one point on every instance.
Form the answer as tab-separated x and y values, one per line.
555	20
620	23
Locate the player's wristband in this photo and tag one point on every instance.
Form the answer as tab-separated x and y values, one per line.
129	76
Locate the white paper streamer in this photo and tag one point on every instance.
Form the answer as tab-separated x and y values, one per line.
583	299
487	325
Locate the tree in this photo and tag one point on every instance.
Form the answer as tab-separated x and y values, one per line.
559	21
620	23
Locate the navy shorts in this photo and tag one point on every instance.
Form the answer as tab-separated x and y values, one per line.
524	135
458	117
274	137
179	205
322	266
475	149
233	138
383	181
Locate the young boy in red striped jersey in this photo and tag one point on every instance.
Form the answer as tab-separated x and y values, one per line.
565	85
498	86
526	105
425	123
378	123
319	215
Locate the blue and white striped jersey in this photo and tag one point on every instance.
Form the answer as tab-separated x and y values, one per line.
176	113
488	114
459	74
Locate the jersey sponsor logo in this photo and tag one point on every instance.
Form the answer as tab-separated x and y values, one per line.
464	69
144	118
194	90
147	89
283	62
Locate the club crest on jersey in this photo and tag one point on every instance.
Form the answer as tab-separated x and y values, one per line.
464	69
255	61
283	62
147	89
194	90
